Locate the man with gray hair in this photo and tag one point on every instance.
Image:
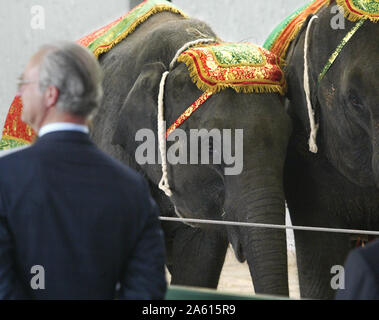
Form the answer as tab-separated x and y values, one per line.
74	223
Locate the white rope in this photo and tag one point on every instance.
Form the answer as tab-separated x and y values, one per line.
164	184
271	226
187	46
314	127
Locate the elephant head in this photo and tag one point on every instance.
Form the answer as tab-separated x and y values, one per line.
336	187
346	98
251	191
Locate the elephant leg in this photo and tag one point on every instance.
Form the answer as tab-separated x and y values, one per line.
197	257
318	254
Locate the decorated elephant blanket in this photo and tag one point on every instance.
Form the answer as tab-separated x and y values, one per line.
360	9
281	37
243	67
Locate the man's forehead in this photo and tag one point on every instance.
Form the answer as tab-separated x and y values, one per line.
31	69
33	64
36	59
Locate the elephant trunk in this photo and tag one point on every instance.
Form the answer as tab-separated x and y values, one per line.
257	197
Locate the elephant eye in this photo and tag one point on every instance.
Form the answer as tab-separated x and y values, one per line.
355	101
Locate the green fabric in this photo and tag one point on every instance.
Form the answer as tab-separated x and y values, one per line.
125	24
276	32
9	144
237	54
369	6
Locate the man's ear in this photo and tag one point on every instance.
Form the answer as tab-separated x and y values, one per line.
139	110
51	96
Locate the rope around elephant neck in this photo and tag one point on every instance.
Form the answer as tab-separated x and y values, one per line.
164	184
311	114
314	127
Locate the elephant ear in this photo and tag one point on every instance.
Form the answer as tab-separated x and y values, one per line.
140	108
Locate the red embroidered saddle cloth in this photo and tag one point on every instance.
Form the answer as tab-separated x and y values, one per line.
243	67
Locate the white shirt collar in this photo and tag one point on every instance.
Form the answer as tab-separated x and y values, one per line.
62	126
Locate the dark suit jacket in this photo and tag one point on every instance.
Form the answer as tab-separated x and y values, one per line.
362	274
87	219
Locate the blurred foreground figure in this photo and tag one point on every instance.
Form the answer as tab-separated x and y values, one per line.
74	222
362	274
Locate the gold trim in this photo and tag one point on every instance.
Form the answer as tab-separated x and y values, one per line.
157	9
249	88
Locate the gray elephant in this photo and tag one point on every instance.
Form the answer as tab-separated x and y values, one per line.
336	185
195	255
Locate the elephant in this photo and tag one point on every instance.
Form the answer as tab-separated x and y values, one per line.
196	253
336	185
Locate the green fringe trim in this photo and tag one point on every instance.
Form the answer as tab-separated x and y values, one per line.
98	47
278	29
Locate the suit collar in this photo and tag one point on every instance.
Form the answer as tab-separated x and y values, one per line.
63	136
62	126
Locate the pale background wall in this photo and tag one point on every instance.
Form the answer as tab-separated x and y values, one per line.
64	20
232	20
